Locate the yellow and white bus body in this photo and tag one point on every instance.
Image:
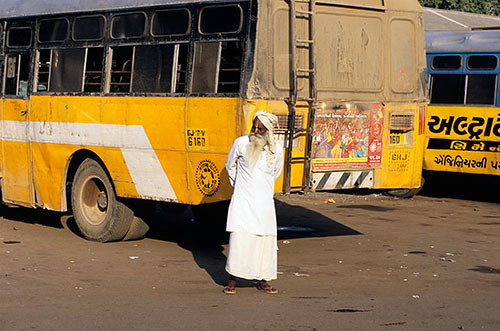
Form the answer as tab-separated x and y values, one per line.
463	119
105	106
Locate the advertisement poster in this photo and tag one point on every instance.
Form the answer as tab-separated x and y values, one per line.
348	136
463	139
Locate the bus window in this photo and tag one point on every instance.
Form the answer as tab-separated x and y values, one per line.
155	68
482	62
121	69
174	22
55	30
19	37
230	67
93	69
128	25
66	72
180	80
205	67
221	19
481	89
447	62
42	83
17	74
88	28
448	89
217	67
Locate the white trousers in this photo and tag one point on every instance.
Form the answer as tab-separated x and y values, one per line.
252	257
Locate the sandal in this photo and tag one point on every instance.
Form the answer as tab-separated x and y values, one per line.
229	290
267	289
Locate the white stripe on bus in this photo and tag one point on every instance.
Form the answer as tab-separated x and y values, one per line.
142	162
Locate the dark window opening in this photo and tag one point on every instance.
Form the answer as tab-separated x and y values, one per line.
153	68
19	37
447	89
128	26
230	67
205	67
171	23
66	72
447	62
43	70
1	75
17	74
88	28
156	68
482	62
121	69
217	67
53	30
182	59
221	19
481	89
93	70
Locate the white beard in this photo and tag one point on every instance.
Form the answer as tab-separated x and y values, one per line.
255	148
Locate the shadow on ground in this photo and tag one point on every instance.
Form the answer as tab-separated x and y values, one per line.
203	233
461	186
200	230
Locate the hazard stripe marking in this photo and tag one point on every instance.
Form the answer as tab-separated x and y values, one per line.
342	180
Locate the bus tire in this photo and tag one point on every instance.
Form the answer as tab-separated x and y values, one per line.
405	192
137	230
98	214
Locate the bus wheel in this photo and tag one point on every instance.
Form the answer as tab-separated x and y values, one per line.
98	214
405	192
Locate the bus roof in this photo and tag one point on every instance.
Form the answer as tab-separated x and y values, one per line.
28	8
463	41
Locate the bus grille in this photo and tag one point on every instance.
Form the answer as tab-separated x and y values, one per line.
402	122
283	121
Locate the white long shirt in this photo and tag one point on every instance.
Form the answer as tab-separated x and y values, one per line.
252	205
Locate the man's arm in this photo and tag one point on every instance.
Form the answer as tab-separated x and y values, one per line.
231	162
279	161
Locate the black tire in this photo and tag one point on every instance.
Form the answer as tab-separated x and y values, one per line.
405	192
98	214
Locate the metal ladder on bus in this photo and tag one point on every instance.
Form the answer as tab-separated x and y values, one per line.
294	101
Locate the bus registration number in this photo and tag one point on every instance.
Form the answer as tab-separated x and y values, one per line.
396	139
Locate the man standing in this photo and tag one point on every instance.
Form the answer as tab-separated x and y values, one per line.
253	164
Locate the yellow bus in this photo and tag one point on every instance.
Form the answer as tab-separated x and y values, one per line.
107	103
463	133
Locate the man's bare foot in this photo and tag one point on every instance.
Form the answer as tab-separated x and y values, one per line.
230	288
266	288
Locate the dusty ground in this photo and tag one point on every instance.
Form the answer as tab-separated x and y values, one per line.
365	262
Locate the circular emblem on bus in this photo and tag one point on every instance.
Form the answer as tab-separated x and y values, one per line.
207	178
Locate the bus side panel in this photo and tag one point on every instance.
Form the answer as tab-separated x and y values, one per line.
463	139
17	186
155	153
145	156
212	126
402	155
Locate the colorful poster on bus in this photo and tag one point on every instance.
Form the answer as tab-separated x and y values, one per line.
347	136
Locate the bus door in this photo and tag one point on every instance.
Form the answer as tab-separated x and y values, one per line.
17	183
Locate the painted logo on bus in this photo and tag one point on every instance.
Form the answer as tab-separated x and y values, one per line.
207	178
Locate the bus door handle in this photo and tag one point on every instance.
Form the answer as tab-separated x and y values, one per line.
24	112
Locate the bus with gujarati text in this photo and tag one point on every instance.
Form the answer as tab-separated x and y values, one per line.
463	118
106	104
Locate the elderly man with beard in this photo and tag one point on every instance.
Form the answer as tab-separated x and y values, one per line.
253	164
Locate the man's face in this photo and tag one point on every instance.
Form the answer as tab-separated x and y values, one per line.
258	128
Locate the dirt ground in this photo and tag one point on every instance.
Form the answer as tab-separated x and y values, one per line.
362	261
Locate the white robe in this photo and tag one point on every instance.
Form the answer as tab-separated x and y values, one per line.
252	205
252	217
